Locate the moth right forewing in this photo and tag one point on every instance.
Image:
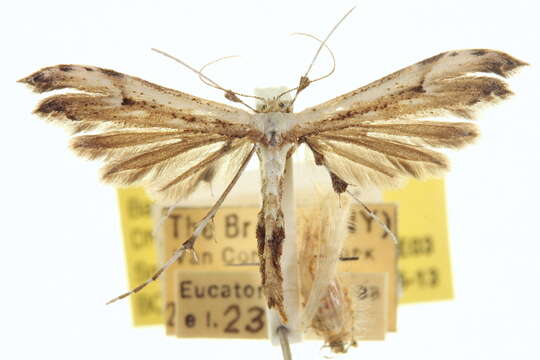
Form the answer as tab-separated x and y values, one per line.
377	134
438	75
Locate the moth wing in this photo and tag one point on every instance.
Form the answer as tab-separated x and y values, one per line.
384	132
148	135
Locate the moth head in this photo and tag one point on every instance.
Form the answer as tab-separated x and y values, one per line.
274	105
273	100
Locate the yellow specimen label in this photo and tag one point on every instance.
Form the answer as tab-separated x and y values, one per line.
231	304
141	259
424	257
219	304
424	262
228	244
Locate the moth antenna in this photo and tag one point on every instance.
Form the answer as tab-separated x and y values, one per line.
304	80
216	85
229	94
327	48
210	84
323	43
317	79
188	244
203	78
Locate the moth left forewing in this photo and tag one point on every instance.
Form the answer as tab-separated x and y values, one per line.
378	134
113	100
92	79
148	135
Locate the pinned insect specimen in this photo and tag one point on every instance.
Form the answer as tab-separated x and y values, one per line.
170	142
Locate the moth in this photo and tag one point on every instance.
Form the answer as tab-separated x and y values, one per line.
171	142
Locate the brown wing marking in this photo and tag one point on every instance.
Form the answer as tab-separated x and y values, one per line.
162	139
112	100
446	84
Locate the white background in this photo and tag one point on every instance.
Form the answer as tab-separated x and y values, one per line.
61	249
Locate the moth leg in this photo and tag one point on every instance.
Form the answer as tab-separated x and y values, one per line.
377	219
340	186
395	240
188	244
